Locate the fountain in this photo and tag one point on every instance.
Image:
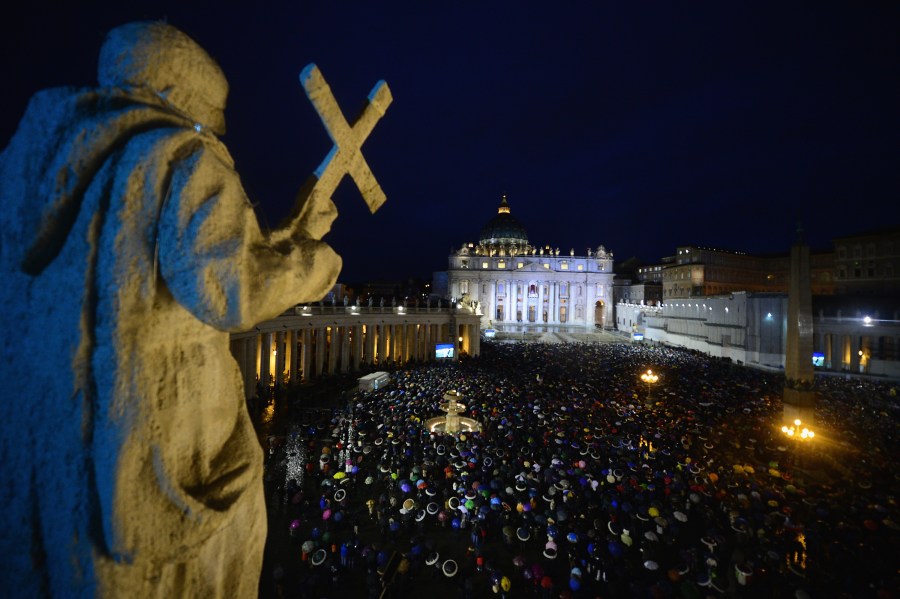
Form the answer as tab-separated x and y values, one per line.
452	423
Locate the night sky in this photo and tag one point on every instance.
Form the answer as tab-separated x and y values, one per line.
639	126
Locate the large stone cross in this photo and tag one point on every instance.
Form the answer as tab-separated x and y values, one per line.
346	155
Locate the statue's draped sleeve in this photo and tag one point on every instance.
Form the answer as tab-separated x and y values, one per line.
215	259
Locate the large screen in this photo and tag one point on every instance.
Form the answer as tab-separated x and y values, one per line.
818	359
443	350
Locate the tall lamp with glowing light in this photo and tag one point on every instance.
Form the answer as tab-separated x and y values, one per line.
799	434
651	379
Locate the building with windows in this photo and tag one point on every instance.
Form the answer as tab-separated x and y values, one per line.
702	272
868	263
513	281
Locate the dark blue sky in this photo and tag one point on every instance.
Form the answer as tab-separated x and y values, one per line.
639	126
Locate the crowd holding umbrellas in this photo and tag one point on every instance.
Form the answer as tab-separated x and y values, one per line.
580	485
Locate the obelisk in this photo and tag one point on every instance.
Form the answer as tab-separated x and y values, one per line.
799	394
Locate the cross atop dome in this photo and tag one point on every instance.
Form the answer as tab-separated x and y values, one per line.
504	206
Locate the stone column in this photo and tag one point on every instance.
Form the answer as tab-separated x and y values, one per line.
399	344
265	359
416	345
454	337
321	346
539	317
306	355
371	335
429	344
855	347
334	348
589	301
357	346
279	358
345	349
292	344
514	316
492	307
382	344
551	304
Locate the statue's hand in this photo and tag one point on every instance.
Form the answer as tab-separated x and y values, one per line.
315	217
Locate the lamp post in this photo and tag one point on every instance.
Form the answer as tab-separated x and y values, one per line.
651	379
800	434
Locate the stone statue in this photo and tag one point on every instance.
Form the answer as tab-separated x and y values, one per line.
129	250
370	301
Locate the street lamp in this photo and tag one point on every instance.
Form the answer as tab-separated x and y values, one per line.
797	433
651	379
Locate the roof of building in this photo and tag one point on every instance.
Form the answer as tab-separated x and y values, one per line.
503	228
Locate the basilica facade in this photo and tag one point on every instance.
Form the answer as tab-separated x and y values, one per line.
513	282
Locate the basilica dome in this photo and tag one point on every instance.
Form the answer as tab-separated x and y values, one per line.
503	229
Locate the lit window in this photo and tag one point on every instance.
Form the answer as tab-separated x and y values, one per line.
501	264
564	265
547	265
520	265
581	267
484	265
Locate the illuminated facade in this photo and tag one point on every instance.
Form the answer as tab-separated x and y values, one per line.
514	282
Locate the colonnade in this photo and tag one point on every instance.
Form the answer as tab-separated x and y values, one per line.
297	348
853	352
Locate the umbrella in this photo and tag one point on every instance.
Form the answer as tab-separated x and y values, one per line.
308	546
339	475
326	514
449	568
318	557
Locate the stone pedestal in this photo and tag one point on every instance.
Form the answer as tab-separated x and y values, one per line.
799	404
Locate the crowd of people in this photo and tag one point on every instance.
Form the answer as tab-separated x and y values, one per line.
585	482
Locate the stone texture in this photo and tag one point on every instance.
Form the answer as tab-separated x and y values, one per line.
799	397
129	251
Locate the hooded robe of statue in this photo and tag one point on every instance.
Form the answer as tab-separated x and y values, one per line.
129	251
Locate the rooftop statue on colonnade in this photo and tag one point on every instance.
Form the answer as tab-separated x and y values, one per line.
129	251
